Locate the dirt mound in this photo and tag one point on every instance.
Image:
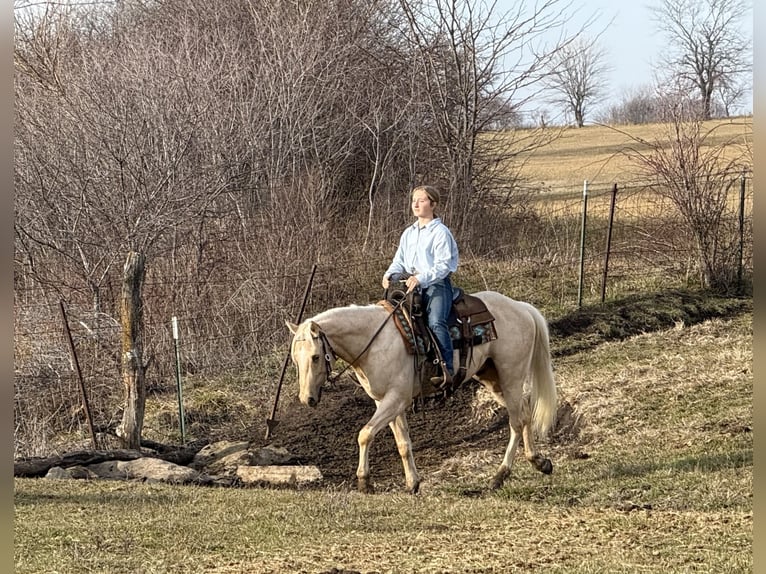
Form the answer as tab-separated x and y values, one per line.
327	435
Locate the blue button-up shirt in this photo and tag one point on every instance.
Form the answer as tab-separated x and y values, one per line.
430	251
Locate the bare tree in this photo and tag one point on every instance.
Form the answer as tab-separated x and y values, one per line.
121	162
578	78
478	66
696	171
639	105
707	49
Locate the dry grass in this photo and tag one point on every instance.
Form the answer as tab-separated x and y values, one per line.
658	477
595	153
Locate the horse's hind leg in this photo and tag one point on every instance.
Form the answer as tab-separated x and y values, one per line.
510	452
404	446
519	421
511	400
537	460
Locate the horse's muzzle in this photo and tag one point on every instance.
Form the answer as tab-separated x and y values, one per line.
313	401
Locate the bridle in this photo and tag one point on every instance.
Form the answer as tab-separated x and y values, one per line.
327	350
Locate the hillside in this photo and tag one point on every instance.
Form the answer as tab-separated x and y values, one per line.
593	153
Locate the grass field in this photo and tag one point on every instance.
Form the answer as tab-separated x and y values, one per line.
658	476
595	153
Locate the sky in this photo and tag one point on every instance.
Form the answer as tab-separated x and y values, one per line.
632	41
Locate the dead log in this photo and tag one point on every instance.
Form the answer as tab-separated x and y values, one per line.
36	467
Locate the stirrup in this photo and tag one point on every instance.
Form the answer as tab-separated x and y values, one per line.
444	381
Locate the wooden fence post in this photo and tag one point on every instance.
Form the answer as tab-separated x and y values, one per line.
131	318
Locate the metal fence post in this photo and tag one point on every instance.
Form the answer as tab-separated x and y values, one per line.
740	263
76	363
181	416
582	241
608	242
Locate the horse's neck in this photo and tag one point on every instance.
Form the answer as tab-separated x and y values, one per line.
349	329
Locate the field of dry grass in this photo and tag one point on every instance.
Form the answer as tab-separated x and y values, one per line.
596	153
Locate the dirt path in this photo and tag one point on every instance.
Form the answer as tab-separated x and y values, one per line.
327	435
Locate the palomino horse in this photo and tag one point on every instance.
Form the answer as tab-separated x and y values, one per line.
515	367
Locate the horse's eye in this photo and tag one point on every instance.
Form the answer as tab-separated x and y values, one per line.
315	359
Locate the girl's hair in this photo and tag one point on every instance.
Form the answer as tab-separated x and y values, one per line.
431	191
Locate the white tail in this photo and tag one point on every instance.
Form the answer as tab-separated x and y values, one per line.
544	396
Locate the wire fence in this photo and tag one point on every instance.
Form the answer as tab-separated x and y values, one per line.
549	259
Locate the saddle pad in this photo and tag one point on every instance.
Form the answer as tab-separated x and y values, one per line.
403	325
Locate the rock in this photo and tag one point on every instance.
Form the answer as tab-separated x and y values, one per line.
73	472
274	474
223	458
146	468
272	455
217	451
228	464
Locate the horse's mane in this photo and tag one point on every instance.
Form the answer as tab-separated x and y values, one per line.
336	312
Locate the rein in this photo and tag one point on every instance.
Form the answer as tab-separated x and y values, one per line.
329	356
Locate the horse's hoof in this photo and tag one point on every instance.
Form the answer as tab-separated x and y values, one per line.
499	479
364	486
415	488
547	466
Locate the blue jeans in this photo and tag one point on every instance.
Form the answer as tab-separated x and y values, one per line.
437	301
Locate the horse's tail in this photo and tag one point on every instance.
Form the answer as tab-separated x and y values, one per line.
544	396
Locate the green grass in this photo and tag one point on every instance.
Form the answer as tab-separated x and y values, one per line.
656	476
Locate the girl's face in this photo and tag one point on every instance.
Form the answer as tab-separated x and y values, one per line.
421	205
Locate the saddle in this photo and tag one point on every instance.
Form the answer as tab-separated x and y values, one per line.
470	323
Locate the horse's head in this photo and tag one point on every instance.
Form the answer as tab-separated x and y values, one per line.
313	357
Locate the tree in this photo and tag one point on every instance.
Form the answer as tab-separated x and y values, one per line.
105	155
477	67
639	105
707	50
695	170
578	78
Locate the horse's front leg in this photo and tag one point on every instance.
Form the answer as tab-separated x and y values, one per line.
363	470
388	409
404	446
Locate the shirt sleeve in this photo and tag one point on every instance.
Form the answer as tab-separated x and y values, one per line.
397	265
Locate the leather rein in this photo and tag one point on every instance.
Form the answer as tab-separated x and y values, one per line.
329	353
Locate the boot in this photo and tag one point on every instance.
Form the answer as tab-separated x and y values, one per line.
443	382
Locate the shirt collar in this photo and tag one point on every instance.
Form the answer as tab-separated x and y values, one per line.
428	225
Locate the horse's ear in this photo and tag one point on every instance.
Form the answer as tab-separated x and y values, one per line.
314	328
292	326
